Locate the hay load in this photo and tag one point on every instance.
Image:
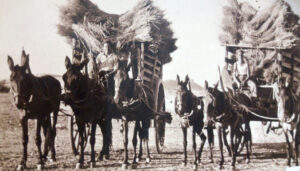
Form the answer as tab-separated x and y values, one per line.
146	23
83	20
276	26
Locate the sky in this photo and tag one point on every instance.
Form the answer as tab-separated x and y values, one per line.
31	25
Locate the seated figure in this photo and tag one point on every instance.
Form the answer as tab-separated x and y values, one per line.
242	74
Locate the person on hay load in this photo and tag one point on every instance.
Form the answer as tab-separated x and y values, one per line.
77	52
242	74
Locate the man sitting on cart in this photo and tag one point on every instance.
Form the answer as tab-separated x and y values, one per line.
242	74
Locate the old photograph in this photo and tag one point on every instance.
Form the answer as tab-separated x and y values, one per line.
149	85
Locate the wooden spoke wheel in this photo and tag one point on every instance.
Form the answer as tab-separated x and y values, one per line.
160	126
74	135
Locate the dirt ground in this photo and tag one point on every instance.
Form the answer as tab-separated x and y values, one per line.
268	150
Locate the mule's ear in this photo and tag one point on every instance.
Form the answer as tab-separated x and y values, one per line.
216	85
206	85
178	79
67	62
10	63
187	79
24	59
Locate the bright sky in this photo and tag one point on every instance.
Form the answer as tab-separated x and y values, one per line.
32	24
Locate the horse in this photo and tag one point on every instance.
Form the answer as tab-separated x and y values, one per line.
288	114
89	104
219	110
139	110
35	98
189	108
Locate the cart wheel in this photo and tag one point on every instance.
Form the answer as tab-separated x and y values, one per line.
74	135
160	126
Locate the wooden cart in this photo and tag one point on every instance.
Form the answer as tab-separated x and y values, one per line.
288	67
150	71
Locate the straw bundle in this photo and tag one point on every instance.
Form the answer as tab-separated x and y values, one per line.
83	20
276	26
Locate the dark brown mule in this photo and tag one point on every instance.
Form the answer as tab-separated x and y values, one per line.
89	104
35	98
189	108
140	111
288	113
219	111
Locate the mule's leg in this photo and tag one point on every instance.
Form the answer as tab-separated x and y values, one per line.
247	137
53	134
46	132
92	142
226	142
125	142
81	128
102	127
220	131
24	123
145	128
297	140
134	142
194	147
288	146
38	142
211	142
141	142
184	131
232	146
203	139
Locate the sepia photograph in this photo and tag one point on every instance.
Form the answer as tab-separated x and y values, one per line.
150	85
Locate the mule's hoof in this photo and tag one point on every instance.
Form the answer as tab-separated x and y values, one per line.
124	166
39	167
211	161
183	164
78	166
51	160
198	161
232	167
148	160
195	166
137	159
247	161
92	165
134	166
20	167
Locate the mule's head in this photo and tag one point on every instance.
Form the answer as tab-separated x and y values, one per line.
20	81
74	80
284	101
184	96
122	82
209	105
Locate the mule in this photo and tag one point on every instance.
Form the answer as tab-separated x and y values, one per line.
89	104
35	98
189	108
219	110
140	110
288	114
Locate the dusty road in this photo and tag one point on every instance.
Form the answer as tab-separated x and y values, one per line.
268	150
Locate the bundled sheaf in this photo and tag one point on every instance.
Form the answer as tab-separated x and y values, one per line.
276	26
83	20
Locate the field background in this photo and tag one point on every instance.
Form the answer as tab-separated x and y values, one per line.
268	149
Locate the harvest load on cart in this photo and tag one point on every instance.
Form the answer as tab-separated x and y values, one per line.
267	43
141	37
